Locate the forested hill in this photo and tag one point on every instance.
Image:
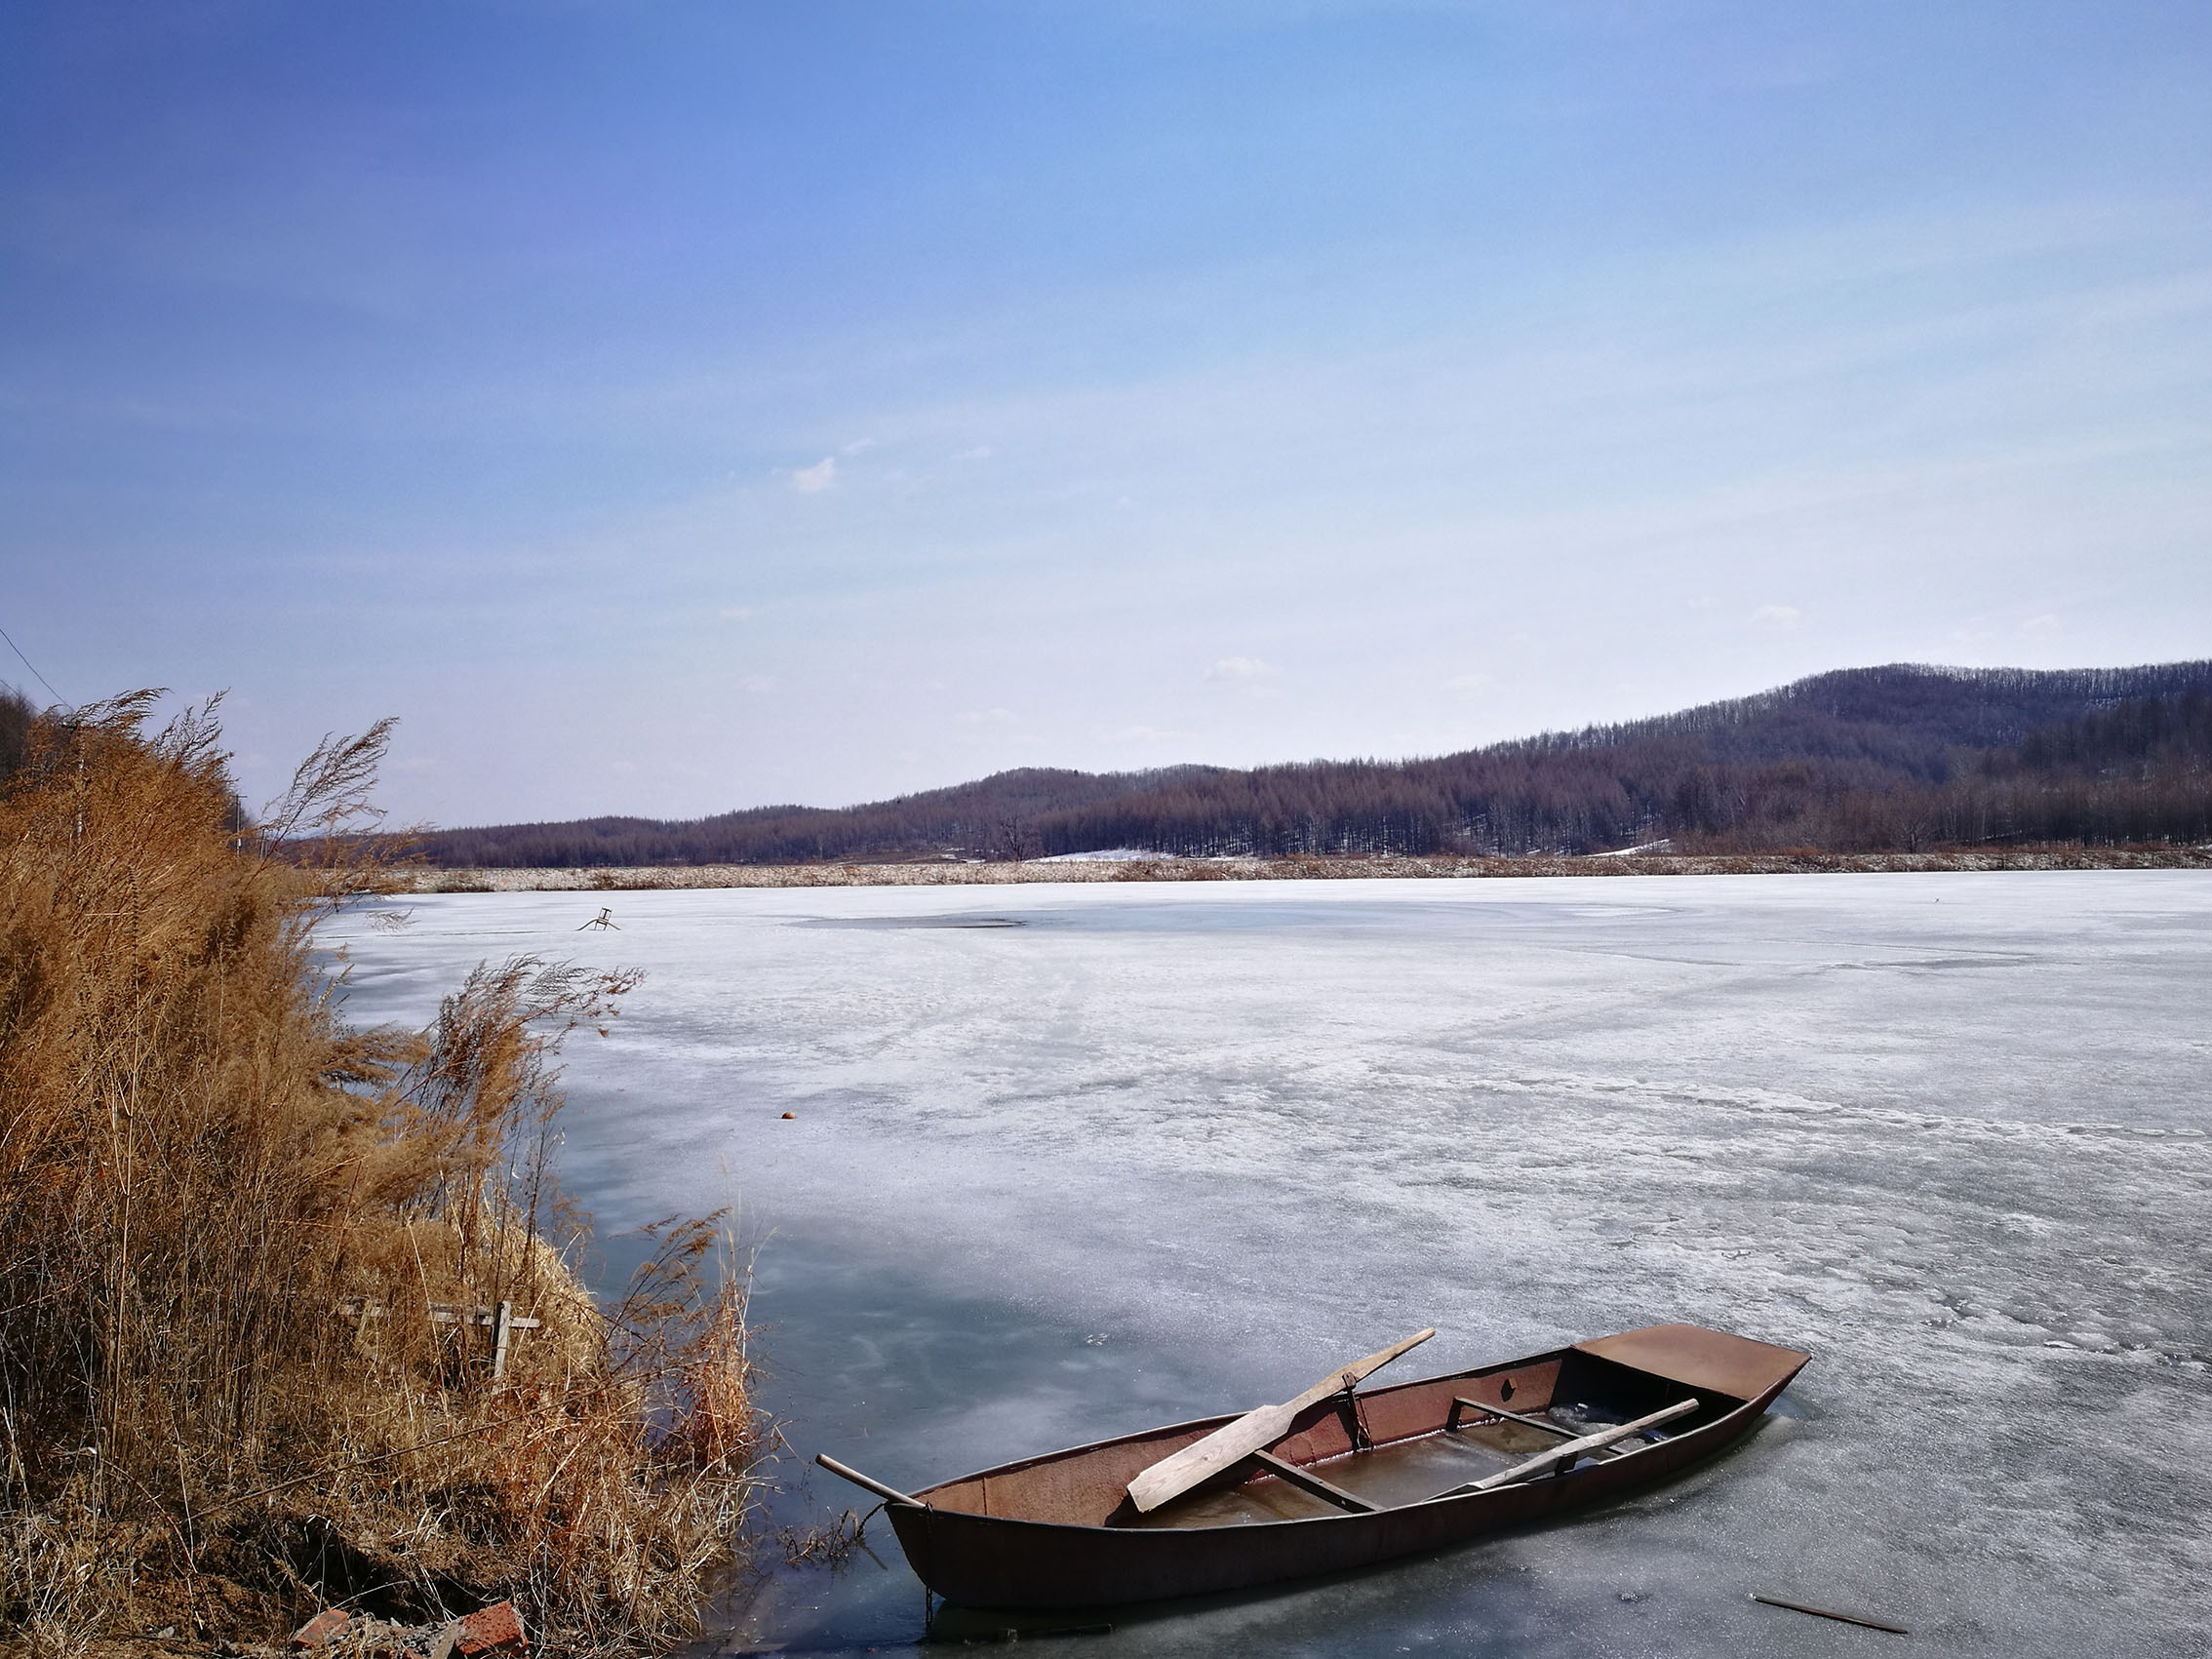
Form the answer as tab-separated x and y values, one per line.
1902	757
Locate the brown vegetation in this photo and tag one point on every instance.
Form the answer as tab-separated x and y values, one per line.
227	1221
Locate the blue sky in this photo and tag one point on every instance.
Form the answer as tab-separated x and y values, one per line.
673	407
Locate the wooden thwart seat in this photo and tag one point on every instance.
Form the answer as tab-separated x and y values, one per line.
1306	1480
1561	1457
1452	1423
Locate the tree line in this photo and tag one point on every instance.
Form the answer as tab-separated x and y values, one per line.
1904	757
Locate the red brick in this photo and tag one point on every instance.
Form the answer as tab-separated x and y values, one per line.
498	1625
321	1630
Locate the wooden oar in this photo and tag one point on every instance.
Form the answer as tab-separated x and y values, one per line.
890	1494
1255	1431
1569	1453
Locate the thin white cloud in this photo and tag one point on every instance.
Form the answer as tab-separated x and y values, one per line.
1469	683
990	717
737	612
812	480
756	683
1777	617
856	446
1143	735
2039	626
1234	669
981	452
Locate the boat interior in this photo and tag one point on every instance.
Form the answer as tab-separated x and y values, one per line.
1359	1451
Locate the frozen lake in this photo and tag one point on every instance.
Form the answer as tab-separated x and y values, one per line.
1069	1160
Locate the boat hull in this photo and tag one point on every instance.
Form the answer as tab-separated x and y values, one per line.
1008	1560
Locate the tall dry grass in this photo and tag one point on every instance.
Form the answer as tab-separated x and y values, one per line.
226	1219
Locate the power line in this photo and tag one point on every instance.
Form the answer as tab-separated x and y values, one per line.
34	667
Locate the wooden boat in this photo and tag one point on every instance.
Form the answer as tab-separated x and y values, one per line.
1361	1476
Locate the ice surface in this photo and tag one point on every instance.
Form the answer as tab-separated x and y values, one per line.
1071	1160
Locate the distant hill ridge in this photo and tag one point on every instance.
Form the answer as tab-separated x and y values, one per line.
1899	757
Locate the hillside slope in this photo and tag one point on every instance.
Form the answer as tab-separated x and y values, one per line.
1899	757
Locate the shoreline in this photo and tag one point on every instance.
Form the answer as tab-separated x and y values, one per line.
646	878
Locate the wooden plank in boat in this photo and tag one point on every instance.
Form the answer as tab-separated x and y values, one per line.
1305	1479
1562	1455
1453	1423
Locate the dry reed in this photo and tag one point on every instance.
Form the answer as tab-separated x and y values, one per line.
226	1219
